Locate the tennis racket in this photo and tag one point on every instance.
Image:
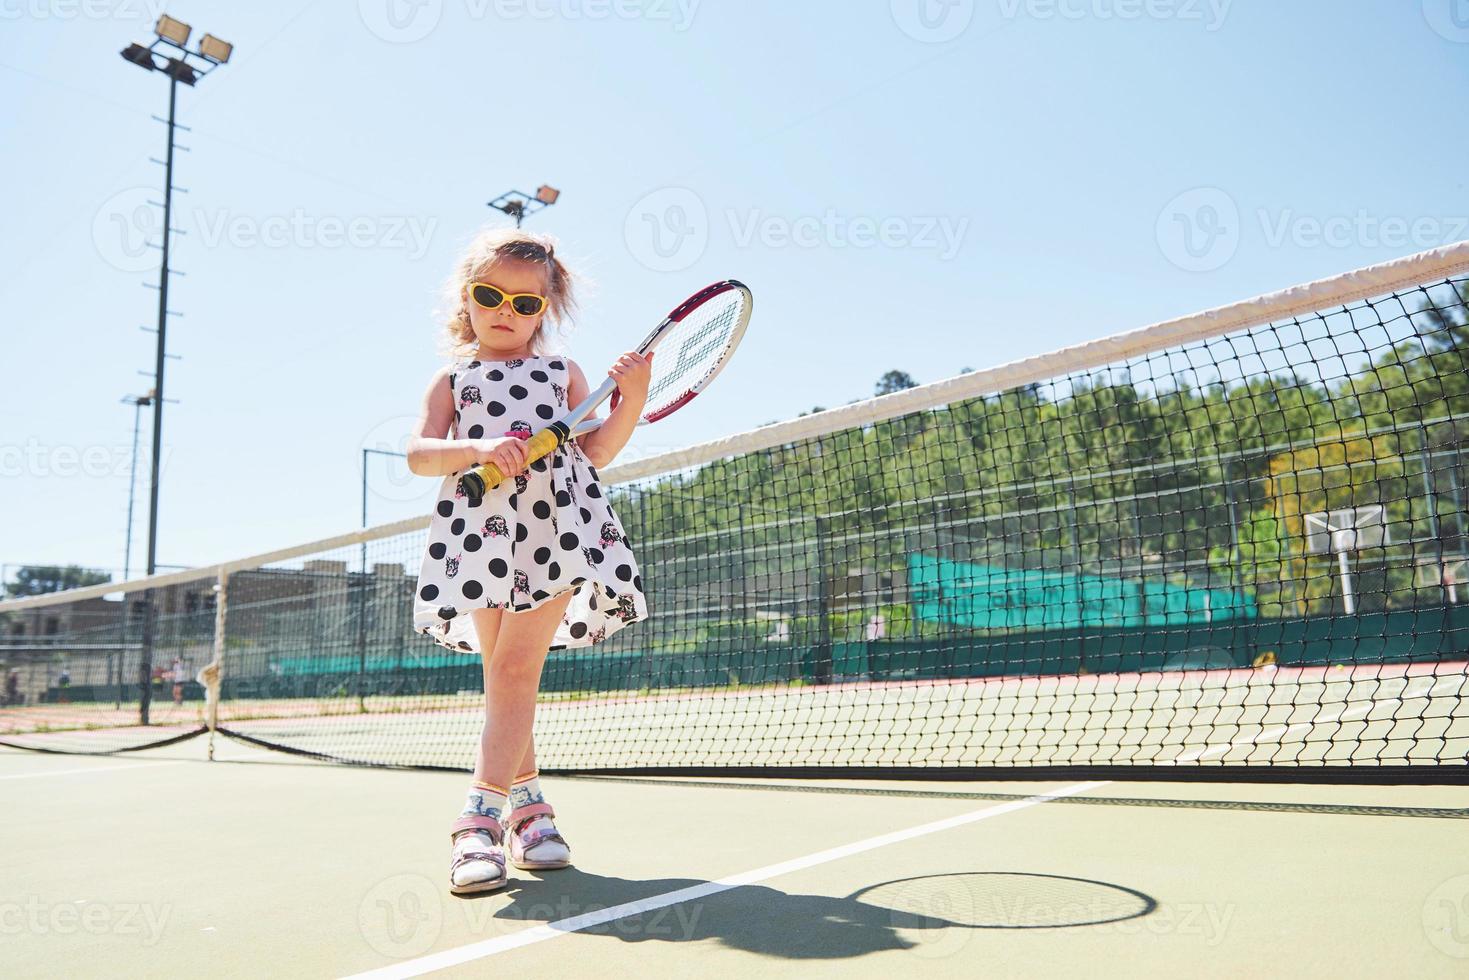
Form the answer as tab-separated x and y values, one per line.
696	341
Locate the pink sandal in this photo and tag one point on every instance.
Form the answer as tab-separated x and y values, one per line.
521	844
496	856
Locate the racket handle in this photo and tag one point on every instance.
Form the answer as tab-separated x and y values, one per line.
480	480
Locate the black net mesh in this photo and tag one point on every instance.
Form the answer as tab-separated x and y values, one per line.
1235	557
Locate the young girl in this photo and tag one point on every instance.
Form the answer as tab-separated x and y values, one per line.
541	562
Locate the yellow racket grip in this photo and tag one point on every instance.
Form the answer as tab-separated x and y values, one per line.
481	479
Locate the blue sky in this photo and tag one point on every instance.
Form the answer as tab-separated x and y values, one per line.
923	189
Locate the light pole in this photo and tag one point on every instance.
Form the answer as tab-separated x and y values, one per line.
169	53
518	204
137	401
173	35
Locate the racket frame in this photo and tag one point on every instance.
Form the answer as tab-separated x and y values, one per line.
481	479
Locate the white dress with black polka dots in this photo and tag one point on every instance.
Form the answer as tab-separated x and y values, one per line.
535	536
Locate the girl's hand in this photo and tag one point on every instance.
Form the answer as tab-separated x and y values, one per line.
508	453
632	373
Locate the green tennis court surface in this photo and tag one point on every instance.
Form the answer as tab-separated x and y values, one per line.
131	866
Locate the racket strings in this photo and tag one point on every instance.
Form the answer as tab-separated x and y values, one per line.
694	349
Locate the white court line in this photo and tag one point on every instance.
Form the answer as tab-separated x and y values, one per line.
576	923
73	772
551	930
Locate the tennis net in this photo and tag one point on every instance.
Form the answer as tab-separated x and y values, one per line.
1228	546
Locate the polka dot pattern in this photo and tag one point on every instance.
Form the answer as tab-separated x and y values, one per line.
566	535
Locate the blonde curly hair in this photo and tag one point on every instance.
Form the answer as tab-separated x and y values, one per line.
487	247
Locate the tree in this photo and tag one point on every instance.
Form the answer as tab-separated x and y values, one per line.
40	579
894	381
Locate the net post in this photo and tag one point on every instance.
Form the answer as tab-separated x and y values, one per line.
1457	502
359	600
145	662
210	674
1431	499
365	582
117	665
821	666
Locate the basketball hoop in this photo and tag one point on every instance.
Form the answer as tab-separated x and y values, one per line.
1343	533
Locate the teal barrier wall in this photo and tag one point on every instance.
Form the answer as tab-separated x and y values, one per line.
1428	635
992	597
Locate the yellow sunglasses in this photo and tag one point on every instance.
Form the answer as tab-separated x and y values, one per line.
491	297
